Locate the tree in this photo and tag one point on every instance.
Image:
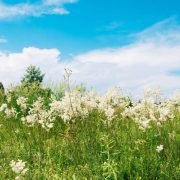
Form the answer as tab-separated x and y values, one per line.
33	75
1	87
2	95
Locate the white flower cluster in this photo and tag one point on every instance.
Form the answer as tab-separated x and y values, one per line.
71	106
10	112
76	103
174	102
151	108
109	101
19	168
22	102
159	148
38	114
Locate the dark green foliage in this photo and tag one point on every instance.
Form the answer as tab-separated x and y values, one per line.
2	95
30	92
1	87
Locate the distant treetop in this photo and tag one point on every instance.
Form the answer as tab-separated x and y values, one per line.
33	74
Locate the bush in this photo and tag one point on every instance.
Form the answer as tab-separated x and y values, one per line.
30	92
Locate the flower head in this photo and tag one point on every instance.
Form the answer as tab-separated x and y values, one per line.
18	167
159	148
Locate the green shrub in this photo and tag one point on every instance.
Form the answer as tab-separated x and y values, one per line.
31	92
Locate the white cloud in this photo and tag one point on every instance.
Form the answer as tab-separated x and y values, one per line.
58	2
34	9
144	63
12	65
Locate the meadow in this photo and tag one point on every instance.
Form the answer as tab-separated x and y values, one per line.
73	133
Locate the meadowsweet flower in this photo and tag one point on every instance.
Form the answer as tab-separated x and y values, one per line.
174	102
109	112
149	109
76	103
18	178
153	95
159	148
3	107
50	125
9	97
19	168
10	112
29	120
37	106
21	101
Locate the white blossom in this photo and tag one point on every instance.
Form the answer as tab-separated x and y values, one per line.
22	102
10	112
159	148
18	167
3	107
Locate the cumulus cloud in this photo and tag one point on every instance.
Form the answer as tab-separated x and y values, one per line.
145	63
13	65
40	8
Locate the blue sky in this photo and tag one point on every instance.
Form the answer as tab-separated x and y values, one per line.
77	28
91	24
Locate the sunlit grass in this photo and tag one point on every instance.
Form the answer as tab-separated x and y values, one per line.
89	147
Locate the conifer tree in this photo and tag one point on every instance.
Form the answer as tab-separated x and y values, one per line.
33	74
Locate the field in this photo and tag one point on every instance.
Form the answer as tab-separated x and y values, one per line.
73	133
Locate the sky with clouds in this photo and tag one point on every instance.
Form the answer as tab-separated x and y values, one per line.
125	43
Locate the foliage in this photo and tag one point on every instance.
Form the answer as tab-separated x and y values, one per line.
1	87
30	92
33	74
1	93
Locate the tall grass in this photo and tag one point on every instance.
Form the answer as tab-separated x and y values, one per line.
89	147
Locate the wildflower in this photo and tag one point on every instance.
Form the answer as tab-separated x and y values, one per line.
21	101
3	107
19	168
50	125
18	178
38	114
151	108
109	112
159	148
10	112
9	98
29	120
153	95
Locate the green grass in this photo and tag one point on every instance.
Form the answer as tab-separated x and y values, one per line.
87	148
90	149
